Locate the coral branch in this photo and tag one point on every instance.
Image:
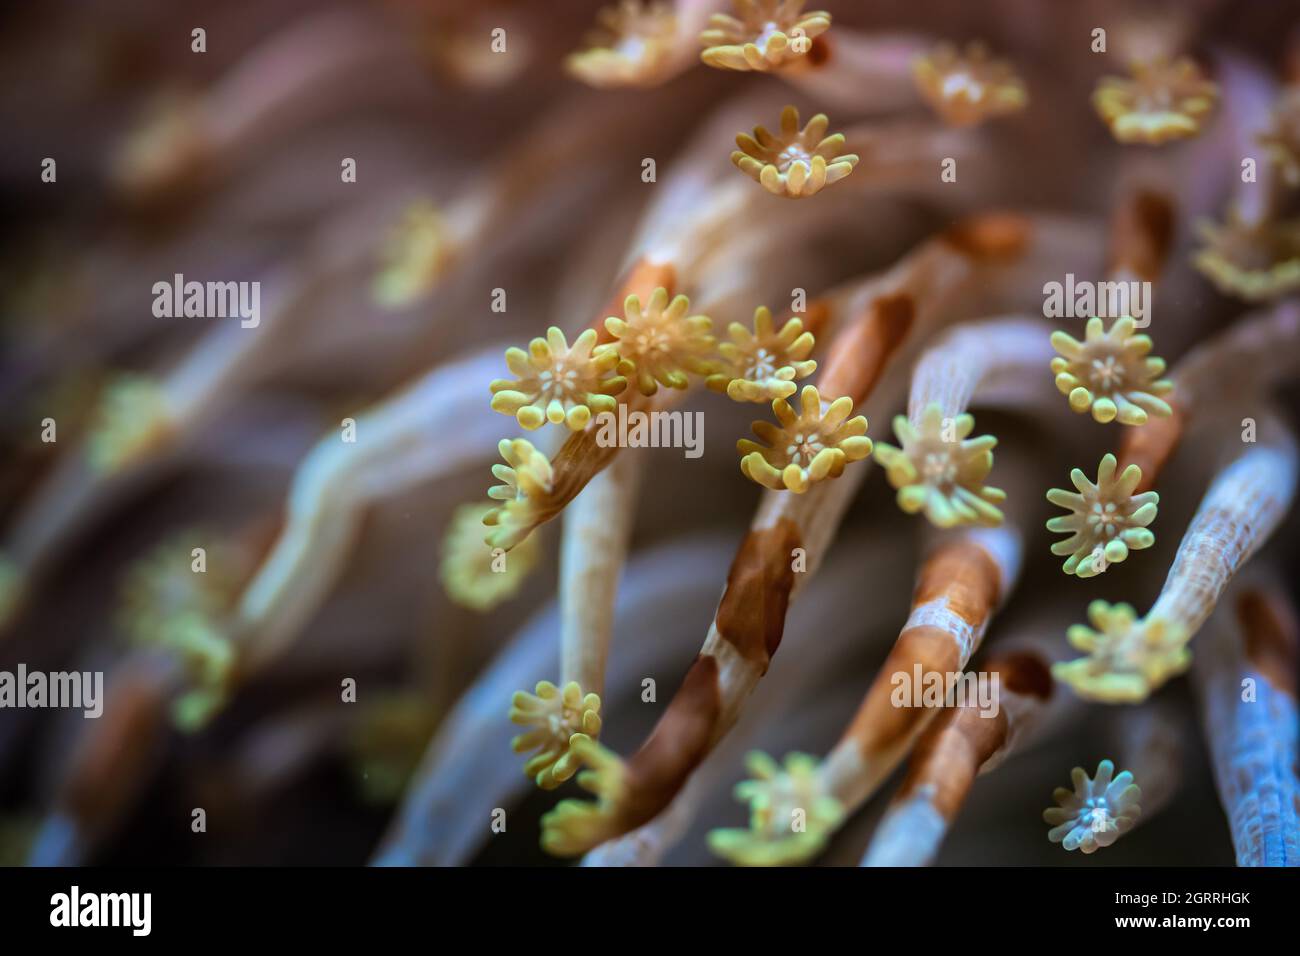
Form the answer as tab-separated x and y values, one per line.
1245	675
958	589
963	742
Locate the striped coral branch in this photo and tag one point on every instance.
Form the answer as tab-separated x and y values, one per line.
963	742
1245	677
818	640
959	586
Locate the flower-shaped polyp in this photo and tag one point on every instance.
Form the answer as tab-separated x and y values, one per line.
414	257
968	88
1282	140
940	471
1162	101
1096	811
764	35
558	382
1106	519
1256	262
631	46
555	717
809	446
575	826
1127	658
525	477
131	418
1110	373
790	813
477	576
167	604
796	163
658	343
763	366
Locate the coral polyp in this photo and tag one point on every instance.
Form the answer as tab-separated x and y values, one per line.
794	162
939	471
810	445
1111	373
558	383
764	35
1106	520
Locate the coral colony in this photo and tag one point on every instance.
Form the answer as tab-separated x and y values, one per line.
955	256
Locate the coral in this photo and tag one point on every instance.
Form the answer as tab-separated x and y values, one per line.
1127	658
555	717
1106	519
11	582
575	826
1096	811
1282	140
1162	101
473	574
791	815
131	419
1109	372
631	46
764	365
558	383
796	163
809	446
659	343
967	88
1255	262
764	35
166	149
417	253
939	471
526	475
166	603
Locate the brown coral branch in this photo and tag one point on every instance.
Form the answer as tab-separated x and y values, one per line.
962	743
1259	351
